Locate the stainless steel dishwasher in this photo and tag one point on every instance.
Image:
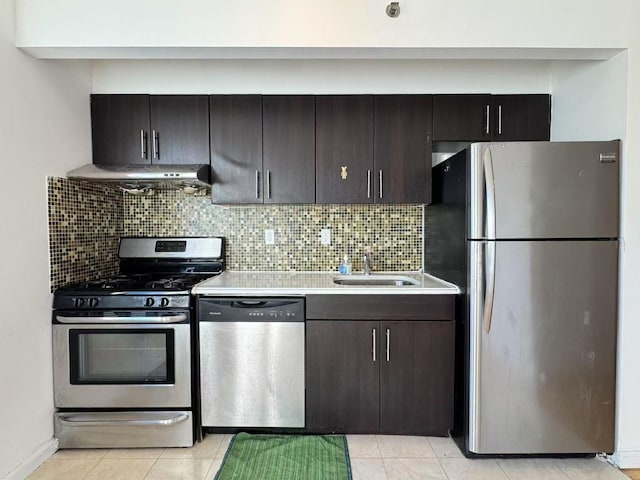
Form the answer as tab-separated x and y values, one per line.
251	362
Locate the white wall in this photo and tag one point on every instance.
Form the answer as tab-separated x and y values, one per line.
357	24
628	448
44	130
320	76
589	99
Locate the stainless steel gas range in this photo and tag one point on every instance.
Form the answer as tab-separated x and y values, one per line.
122	347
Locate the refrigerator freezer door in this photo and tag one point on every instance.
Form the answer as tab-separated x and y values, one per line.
542	376
529	190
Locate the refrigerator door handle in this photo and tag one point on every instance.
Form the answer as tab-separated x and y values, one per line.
490	283
490	189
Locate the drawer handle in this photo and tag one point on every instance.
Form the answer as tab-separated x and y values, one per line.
88	421
180	317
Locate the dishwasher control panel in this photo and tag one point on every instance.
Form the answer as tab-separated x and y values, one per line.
250	309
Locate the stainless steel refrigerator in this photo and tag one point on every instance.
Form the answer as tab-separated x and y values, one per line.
529	230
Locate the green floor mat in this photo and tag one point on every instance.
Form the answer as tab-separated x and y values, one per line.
286	457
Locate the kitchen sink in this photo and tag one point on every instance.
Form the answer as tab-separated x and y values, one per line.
375	280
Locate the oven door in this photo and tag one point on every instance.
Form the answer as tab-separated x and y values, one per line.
120	365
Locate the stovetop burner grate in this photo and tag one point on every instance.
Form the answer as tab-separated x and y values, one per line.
139	282
181	283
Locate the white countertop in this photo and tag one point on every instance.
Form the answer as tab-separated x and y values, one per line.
235	283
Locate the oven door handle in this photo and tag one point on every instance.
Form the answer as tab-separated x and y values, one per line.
181	317
88	420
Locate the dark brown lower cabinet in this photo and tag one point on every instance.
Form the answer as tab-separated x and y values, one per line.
416	377
342	378
379	377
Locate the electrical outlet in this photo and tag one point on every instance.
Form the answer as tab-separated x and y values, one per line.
325	236
269	236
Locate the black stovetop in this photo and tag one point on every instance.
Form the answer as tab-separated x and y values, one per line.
135	284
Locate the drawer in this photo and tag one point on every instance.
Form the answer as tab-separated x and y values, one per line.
380	307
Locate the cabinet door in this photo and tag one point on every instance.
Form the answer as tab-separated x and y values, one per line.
288	128
402	148
461	117
521	117
120	129
342	376
179	129
236	148
416	377
344	149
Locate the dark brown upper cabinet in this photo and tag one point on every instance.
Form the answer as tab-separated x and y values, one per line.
120	129
179	129
288	164
462	118
144	129
236	148
402	148
373	149
344	149
478	118
263	149
521	117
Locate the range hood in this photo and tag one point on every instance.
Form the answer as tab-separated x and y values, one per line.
144	179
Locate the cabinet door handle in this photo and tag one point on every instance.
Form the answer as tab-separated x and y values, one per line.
388	334
143	144
499	119
368	183
268	183
486	121
154	144
380	181
373	344
257	184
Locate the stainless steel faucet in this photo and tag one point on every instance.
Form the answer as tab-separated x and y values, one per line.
367	261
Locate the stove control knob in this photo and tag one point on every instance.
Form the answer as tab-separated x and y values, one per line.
164	302
93	302
78	302
149	302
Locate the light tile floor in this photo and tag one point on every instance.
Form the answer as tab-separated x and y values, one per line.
373	457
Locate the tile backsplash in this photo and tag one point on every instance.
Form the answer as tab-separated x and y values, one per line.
85	223
86	220
393	231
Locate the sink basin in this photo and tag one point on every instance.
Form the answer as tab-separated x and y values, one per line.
375	280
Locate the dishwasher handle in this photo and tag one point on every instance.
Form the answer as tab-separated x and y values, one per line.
250	303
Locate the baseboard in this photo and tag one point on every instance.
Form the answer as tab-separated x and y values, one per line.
37	458
628	459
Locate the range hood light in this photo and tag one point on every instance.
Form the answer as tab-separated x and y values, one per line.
144	191
194	190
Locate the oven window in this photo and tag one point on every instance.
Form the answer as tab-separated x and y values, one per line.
121	356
